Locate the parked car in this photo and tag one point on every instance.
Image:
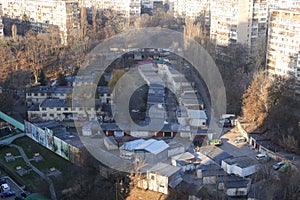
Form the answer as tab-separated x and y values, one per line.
7	194
261	156
216	142
238	140
278	165
5	187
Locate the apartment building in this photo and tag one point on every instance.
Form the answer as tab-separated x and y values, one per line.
189	8
60	13
1	22
125	8
152	4
283	49
238	21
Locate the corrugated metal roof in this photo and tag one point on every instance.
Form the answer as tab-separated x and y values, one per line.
130	146
196	114
152	146
164	169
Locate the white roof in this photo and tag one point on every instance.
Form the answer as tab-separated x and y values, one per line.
152	146
197	114
183	156
130	146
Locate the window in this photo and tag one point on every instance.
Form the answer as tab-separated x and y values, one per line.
66	109
58	109
35	94
51	115
152	177
43	109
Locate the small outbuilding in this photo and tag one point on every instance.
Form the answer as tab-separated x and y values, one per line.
162	176
241	166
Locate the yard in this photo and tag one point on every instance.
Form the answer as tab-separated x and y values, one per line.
32	181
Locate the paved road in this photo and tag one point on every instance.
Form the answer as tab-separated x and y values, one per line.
36	170
13	187
236	149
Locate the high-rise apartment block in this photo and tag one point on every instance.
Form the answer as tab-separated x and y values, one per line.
189	8
125	8
283	49
60	13
1	23
238	21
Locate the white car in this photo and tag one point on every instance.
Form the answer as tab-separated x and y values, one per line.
238	140
261	156
5	187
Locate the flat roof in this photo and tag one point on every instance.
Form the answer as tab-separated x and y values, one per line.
164	169
242	161
196	114
215	153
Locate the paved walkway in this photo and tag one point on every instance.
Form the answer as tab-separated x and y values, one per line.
36	170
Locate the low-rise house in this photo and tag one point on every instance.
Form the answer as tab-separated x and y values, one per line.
162	176
210	173
186	161
192	118
127	149
175	148
215	153
37	94
110	143
241	166
60	109
235	186
104	94
152	151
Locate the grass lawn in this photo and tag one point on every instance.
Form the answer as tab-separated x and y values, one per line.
32	181
50	159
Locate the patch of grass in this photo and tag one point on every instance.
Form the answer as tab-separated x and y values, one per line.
32	181
50	159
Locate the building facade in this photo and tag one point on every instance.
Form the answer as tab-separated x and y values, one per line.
283	47
189	8
238	21
1	22
63	14
124	8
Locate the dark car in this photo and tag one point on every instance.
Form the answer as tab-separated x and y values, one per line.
7	194
277	166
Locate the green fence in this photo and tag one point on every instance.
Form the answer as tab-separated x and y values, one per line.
12	121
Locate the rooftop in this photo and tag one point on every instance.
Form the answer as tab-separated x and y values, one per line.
196	114
164	169
243	161
215	153
51	103
184	156
152	146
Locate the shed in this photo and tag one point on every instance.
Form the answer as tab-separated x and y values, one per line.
175	148
186	161
162	176
152	150
110	143
241	166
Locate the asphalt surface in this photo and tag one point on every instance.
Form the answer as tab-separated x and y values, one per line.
235	149
13	187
